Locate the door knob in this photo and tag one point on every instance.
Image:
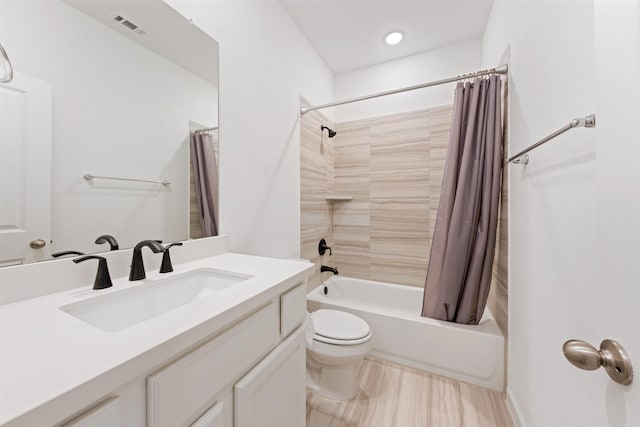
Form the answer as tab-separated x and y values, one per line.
37	244
612	356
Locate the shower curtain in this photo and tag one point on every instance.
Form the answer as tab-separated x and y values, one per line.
205	174
459	272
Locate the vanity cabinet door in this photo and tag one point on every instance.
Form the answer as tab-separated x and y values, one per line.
273	393
179	392
106	414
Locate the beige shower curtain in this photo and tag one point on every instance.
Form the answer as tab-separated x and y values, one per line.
459	272
205	174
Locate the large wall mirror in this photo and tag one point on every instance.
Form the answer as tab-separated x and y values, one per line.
108	88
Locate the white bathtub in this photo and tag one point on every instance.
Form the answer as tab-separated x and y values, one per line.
471	353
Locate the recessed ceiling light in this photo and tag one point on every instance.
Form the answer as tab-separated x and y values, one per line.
394	37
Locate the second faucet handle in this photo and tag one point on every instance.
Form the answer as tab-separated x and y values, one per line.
166	266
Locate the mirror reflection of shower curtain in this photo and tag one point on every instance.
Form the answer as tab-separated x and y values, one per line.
205	173
464	239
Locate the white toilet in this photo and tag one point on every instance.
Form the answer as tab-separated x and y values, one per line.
340	342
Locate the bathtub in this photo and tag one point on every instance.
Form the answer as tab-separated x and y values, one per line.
471	353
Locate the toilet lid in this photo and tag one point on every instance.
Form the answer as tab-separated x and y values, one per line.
338	325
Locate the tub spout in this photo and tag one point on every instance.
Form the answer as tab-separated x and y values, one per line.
324	268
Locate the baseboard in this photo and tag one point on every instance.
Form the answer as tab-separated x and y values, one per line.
512	407
488	383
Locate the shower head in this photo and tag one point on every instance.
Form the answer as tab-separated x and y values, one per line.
332	133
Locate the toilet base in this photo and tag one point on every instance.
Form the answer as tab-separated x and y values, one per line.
339	382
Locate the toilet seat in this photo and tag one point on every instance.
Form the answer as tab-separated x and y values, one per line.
339	328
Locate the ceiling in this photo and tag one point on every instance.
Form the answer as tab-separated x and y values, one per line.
186	45
349	34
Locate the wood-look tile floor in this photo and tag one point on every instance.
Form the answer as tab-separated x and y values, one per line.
393	395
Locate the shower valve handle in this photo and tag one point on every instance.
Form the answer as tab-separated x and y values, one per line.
322	247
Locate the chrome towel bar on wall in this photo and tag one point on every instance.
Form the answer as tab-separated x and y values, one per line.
91	177
523	158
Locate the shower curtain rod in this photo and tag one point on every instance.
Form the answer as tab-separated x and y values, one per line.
193	132
502	69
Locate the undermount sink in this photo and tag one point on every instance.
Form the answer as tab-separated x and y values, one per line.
120	310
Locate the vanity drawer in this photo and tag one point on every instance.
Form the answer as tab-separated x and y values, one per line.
293	309
179	392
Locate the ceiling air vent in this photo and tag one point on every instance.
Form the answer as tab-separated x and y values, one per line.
128	24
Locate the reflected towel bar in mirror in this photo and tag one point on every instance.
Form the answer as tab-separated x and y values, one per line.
523	158
203	130
90	177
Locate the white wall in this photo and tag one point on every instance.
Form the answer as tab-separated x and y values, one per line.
448	61
563	210
118	109
265	65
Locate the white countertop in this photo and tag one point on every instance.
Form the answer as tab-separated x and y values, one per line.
49	359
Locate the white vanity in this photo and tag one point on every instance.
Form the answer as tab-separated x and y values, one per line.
218	342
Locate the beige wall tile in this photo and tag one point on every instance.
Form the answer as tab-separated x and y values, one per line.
317	155
400	227
315	212
351	250
400	142
351	166
352	213
401	270
498	295
353	183
406	183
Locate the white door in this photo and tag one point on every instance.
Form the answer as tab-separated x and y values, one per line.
25	169
617	307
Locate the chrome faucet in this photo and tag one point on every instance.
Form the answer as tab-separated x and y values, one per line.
137	265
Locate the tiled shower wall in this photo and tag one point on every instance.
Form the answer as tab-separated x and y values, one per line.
316	181
498	295
392	168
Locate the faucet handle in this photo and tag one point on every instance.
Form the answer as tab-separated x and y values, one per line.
322	247
63	253
166	266
103	279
